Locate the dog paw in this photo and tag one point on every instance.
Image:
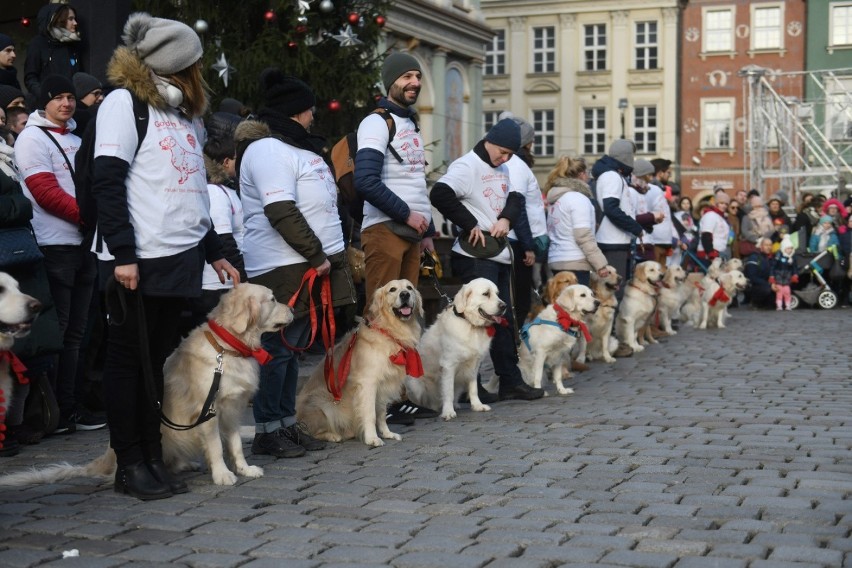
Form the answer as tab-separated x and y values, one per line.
391	436
375	442
638	348
564	390
448	415
251	471
225	477
481	408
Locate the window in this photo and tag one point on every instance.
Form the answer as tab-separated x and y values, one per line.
544	125
495	54
490	118
719	30
766	27
717	124
544	50
645	129
841	24
646	45
594	131
595	47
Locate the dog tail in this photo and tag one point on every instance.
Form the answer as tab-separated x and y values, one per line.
102	467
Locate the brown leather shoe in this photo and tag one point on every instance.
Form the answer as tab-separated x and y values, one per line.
623	350
579	367
657	332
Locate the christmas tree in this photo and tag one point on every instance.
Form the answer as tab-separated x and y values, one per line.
330	44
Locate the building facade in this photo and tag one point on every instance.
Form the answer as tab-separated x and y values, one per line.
585	72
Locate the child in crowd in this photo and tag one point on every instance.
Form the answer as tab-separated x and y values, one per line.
824	235
783	273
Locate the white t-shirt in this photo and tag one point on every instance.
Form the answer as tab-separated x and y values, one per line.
271	172
482	190
167	183
408	179
611	184
656	200
226	211
713	223
36	154
523	180
571	211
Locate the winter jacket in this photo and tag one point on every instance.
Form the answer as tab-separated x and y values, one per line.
48	56
783	271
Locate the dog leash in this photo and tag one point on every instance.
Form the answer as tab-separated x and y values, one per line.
429	263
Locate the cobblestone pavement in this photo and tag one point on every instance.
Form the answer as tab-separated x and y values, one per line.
722	448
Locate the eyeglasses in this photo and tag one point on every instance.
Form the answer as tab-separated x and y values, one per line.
97	93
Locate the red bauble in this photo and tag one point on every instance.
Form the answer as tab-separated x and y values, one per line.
269	15
25	22
354	18
292	45
381	21
333	105
301	30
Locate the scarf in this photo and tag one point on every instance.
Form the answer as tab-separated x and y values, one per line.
566	322
63	35
760	218
607	164
9	76
408	356
291	132
18	368
7	161
720	295
260	354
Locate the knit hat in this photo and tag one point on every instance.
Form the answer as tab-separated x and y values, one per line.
166	46
232	106
527	130
284	93
5	41
84	84
826	219
52	86
661	164
8	94
622	150
395	65
642	168
786	243
506	134
221	125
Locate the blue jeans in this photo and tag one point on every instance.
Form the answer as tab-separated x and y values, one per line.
275	401
504	352
71	274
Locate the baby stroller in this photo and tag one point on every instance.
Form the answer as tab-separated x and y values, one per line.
814	289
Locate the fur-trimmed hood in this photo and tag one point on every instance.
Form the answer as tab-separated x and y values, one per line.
250	130
216	173
564	185
127	71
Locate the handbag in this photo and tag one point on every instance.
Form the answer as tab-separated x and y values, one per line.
18	246
493	245
357	264
403	231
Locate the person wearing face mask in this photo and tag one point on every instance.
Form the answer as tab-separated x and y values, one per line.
8	73
56	49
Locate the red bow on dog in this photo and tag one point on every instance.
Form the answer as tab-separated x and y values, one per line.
16	365
409	357
566	322
719	296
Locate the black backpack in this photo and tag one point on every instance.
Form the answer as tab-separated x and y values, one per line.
84	168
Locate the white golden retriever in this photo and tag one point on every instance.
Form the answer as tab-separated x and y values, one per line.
454	346
600	324
638	305
717	296
673	294
374	379
550	337
245	312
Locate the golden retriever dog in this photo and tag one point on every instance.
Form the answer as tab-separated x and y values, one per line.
18	311
698	282
600	324
718	295
374	380
554	285
550	337
638	305
673	294
453	348
246	312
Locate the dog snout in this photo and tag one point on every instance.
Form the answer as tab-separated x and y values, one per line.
404	296
501	306
597	303
34	307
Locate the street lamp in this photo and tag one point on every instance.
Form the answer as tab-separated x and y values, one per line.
622	106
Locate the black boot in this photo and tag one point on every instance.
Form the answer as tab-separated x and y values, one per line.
138	481
164	476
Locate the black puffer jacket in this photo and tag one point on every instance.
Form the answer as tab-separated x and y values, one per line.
47	55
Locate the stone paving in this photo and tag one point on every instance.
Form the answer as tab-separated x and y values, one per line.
723	448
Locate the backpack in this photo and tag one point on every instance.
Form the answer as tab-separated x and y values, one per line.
343	164
84	168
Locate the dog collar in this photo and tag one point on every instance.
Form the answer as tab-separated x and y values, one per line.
566	322
260	354
18	368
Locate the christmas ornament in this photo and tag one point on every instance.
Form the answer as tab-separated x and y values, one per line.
201	26
353	18
302	20
224	69
292	45
333	105
303	5
269	15
326	6
301	30
25	22
347	37
381	21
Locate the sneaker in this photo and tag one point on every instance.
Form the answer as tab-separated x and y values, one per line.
485	397
400	419
579	367
276	444
65	426
407	407
520	391
623	350
298	433
85	420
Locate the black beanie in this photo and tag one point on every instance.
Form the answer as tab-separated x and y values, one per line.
53	86
284	93
8	93
506	134
5	41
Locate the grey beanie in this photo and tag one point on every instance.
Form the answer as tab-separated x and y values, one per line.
506	134
642	168
84	84
623	150
166	46
395	65
527	130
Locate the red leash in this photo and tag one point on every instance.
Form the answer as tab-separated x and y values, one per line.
328	324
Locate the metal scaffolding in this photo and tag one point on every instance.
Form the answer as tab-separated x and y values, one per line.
793	144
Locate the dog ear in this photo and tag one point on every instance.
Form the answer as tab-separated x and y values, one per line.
420	311
462	296
378	302
247	313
